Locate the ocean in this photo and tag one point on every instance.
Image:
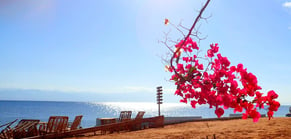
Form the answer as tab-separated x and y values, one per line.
11	110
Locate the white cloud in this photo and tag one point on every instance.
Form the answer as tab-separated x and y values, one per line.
287	4
129	89
138	89
169	91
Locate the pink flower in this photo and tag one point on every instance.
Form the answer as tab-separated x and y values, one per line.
255	115
214	47
272	94
274	105
183	100
245	115
185	59
270	114
178	92
200	66
192	45
239	67
166	21
210	53
195	46
219	112
193	103
188	66
232	68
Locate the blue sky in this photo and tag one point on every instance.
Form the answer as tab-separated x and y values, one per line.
108	49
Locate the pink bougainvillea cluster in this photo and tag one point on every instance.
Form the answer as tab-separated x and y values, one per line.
211	80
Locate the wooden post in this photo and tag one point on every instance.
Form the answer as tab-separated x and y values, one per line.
159	98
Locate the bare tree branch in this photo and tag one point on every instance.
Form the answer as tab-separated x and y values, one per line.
185	38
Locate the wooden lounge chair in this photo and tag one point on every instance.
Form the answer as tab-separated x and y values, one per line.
138	121
56	124
157	122
140	115
124	116
76	123
5	133
25	128
105	121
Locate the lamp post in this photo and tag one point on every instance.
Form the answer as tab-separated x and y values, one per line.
159	98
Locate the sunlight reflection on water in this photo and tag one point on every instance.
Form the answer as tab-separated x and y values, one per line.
151	109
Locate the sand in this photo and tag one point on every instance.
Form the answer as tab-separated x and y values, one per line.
276	128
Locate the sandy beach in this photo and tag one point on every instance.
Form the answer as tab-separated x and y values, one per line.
276	128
